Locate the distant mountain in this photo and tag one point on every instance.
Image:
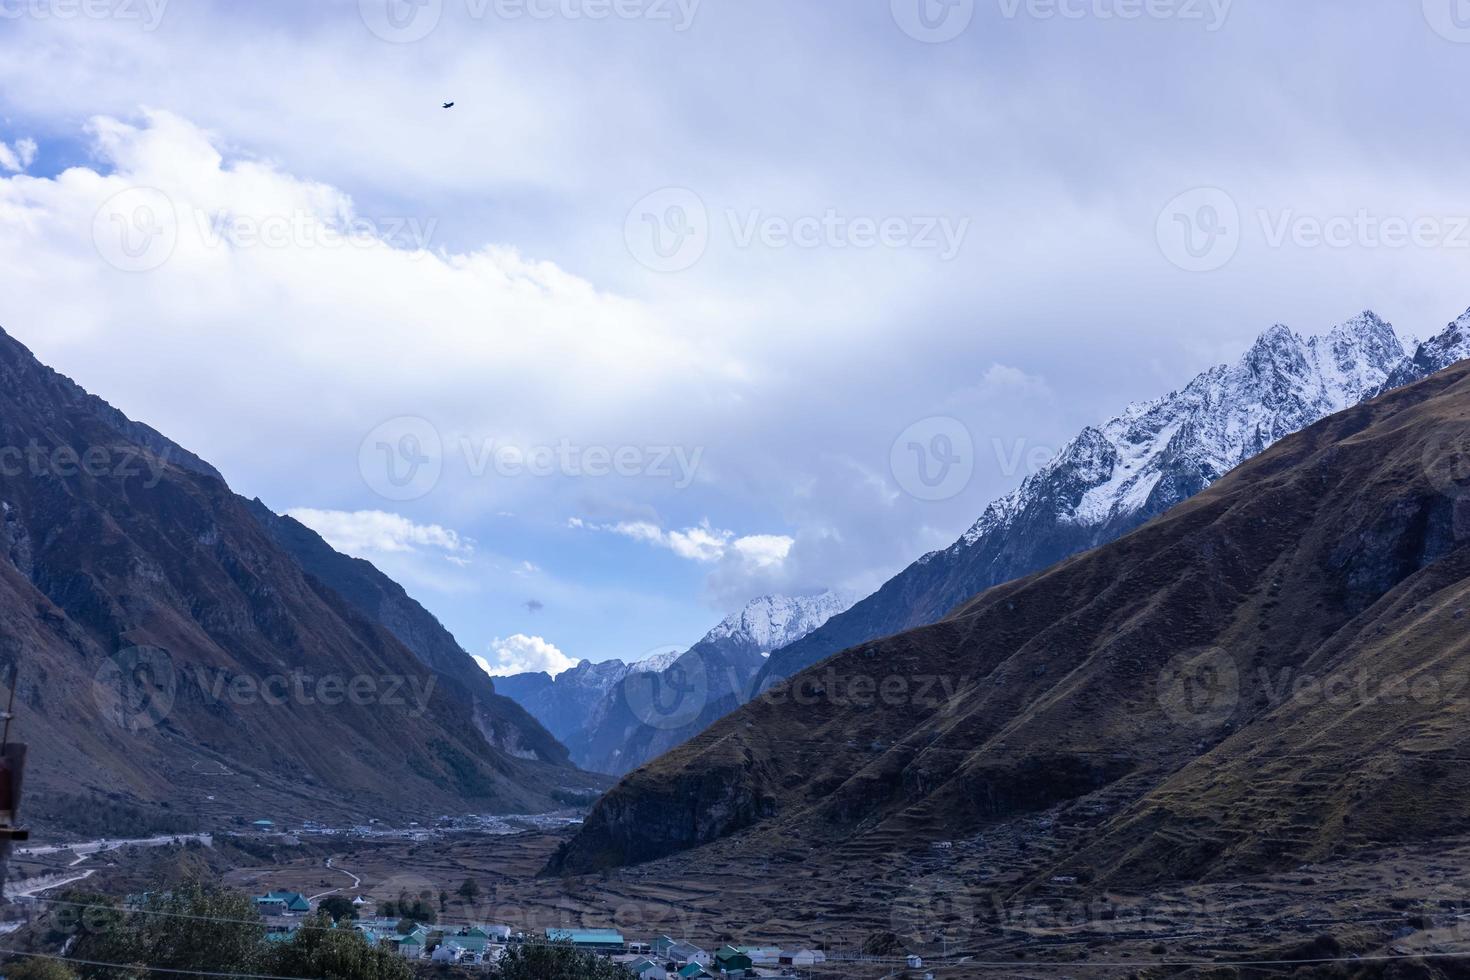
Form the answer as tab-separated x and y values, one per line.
614	716
174	657
1439	352
1114	477
563	703
1269	674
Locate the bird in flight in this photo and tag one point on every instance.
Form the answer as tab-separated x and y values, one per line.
449	105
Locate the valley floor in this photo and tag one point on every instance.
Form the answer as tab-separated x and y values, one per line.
959	905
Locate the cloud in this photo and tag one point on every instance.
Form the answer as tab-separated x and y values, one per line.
365	533
1004	378
534	605
764	550
702	543
18	159
521	654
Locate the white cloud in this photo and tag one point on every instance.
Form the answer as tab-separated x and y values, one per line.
229	269
521	654
18	159
365	533
1004	378
703	543
764	550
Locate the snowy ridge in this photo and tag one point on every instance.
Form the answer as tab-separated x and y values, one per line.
656	664
771	622
1223	417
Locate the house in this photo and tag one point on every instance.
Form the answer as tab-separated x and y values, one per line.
412	946
264	825
682	953
472	943
728	959
377	924
695	971
448	953
465	947
915	962
496	933
802	957
593	940
647	970
762	955
283	903
661	947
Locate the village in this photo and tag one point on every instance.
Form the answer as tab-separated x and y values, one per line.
482	945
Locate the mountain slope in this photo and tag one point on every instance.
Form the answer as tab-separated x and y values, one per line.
1115	477
170	650
1162	675
503	722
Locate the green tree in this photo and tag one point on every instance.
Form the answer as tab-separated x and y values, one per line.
555	961
469	890
36	968
193	927
339	907
319	950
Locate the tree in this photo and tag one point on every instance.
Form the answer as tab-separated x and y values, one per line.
339	907
469	890
192	927
319	950
443	900
555	961
36	968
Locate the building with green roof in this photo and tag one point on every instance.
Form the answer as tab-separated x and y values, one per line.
603	940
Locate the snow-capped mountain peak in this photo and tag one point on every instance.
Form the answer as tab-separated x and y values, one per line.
772	621
1159	452
1437	353
655	664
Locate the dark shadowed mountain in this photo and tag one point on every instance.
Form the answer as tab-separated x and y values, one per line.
171	651
503	722
1270	673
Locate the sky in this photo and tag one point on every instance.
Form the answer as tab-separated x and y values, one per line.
688	301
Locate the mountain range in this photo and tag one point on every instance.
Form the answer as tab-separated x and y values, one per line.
1106	481
1113	477
180	648
615	716
1271	672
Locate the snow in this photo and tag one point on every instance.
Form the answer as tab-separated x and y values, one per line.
773	621
1223	417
